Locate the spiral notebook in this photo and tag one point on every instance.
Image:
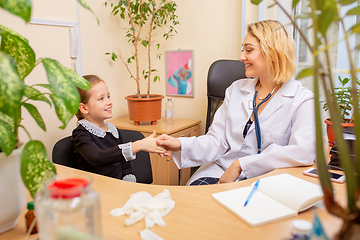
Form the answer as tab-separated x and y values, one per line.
277	197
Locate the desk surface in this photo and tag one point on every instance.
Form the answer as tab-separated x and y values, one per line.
161	127
195	216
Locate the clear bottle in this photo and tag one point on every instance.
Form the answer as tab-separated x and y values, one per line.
68	208
169	111
30	217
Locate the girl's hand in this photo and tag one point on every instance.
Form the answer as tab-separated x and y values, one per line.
148	144
232	173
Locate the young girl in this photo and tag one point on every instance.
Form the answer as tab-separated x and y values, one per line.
98	144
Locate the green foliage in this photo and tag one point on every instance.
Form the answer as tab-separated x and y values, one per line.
143	18
342	98
17	60
339	101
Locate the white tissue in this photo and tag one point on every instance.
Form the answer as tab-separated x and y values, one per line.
147	234
143	205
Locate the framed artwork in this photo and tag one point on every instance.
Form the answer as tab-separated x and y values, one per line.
179	73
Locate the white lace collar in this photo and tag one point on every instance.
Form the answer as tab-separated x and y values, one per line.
97	131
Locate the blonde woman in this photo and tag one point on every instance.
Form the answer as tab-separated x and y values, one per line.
266	120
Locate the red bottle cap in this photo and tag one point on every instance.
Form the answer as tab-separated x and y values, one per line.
67	188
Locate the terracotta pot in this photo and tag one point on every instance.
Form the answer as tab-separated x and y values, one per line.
144	109
330	130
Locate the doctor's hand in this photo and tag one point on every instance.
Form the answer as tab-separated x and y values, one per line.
232	173
169	143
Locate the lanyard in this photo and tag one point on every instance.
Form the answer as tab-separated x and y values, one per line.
256	118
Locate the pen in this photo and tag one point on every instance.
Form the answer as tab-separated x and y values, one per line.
252	192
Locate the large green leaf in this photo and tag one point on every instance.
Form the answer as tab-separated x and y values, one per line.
35	166
35	94
7	138
18	47
7	119
78	80
11	85
62	84
61	111
35	114
21	8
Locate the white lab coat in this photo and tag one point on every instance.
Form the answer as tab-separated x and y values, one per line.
287	126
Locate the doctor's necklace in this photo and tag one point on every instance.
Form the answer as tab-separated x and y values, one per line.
262	98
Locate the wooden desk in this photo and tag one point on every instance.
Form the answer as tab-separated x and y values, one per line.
195	216
164	169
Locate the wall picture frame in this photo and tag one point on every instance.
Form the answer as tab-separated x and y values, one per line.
179	73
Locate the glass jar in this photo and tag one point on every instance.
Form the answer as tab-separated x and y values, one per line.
67	208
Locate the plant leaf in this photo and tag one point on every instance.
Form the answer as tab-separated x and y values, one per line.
35	114
295	2
354	11
35	94
62	85
78	80
11	85
305	73
21	8
327	16
346	2
257	2
18	47
61	111
86	6
35	166
7	138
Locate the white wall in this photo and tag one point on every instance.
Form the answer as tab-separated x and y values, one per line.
212	30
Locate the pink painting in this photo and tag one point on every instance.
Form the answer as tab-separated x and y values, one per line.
179	73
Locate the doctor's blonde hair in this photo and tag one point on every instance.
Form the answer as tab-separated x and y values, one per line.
277	46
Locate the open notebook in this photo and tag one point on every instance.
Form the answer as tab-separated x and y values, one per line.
276	198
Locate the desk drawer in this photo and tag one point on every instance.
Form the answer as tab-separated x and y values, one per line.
189	132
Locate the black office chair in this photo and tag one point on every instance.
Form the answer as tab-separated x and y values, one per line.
63	154
222	73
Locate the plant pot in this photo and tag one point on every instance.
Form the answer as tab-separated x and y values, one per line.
330	130
144	109
12	189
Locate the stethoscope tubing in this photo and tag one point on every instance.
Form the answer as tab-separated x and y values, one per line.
256	117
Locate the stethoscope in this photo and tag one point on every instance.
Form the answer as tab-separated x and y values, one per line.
256	118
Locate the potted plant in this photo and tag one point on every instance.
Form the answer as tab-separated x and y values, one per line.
17	60
323	14
144	20
342	97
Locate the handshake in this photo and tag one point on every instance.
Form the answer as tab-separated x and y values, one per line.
161	145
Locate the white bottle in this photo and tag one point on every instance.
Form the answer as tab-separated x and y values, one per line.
169	111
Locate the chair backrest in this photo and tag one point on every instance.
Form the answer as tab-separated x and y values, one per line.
222	73
141	166
63	154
